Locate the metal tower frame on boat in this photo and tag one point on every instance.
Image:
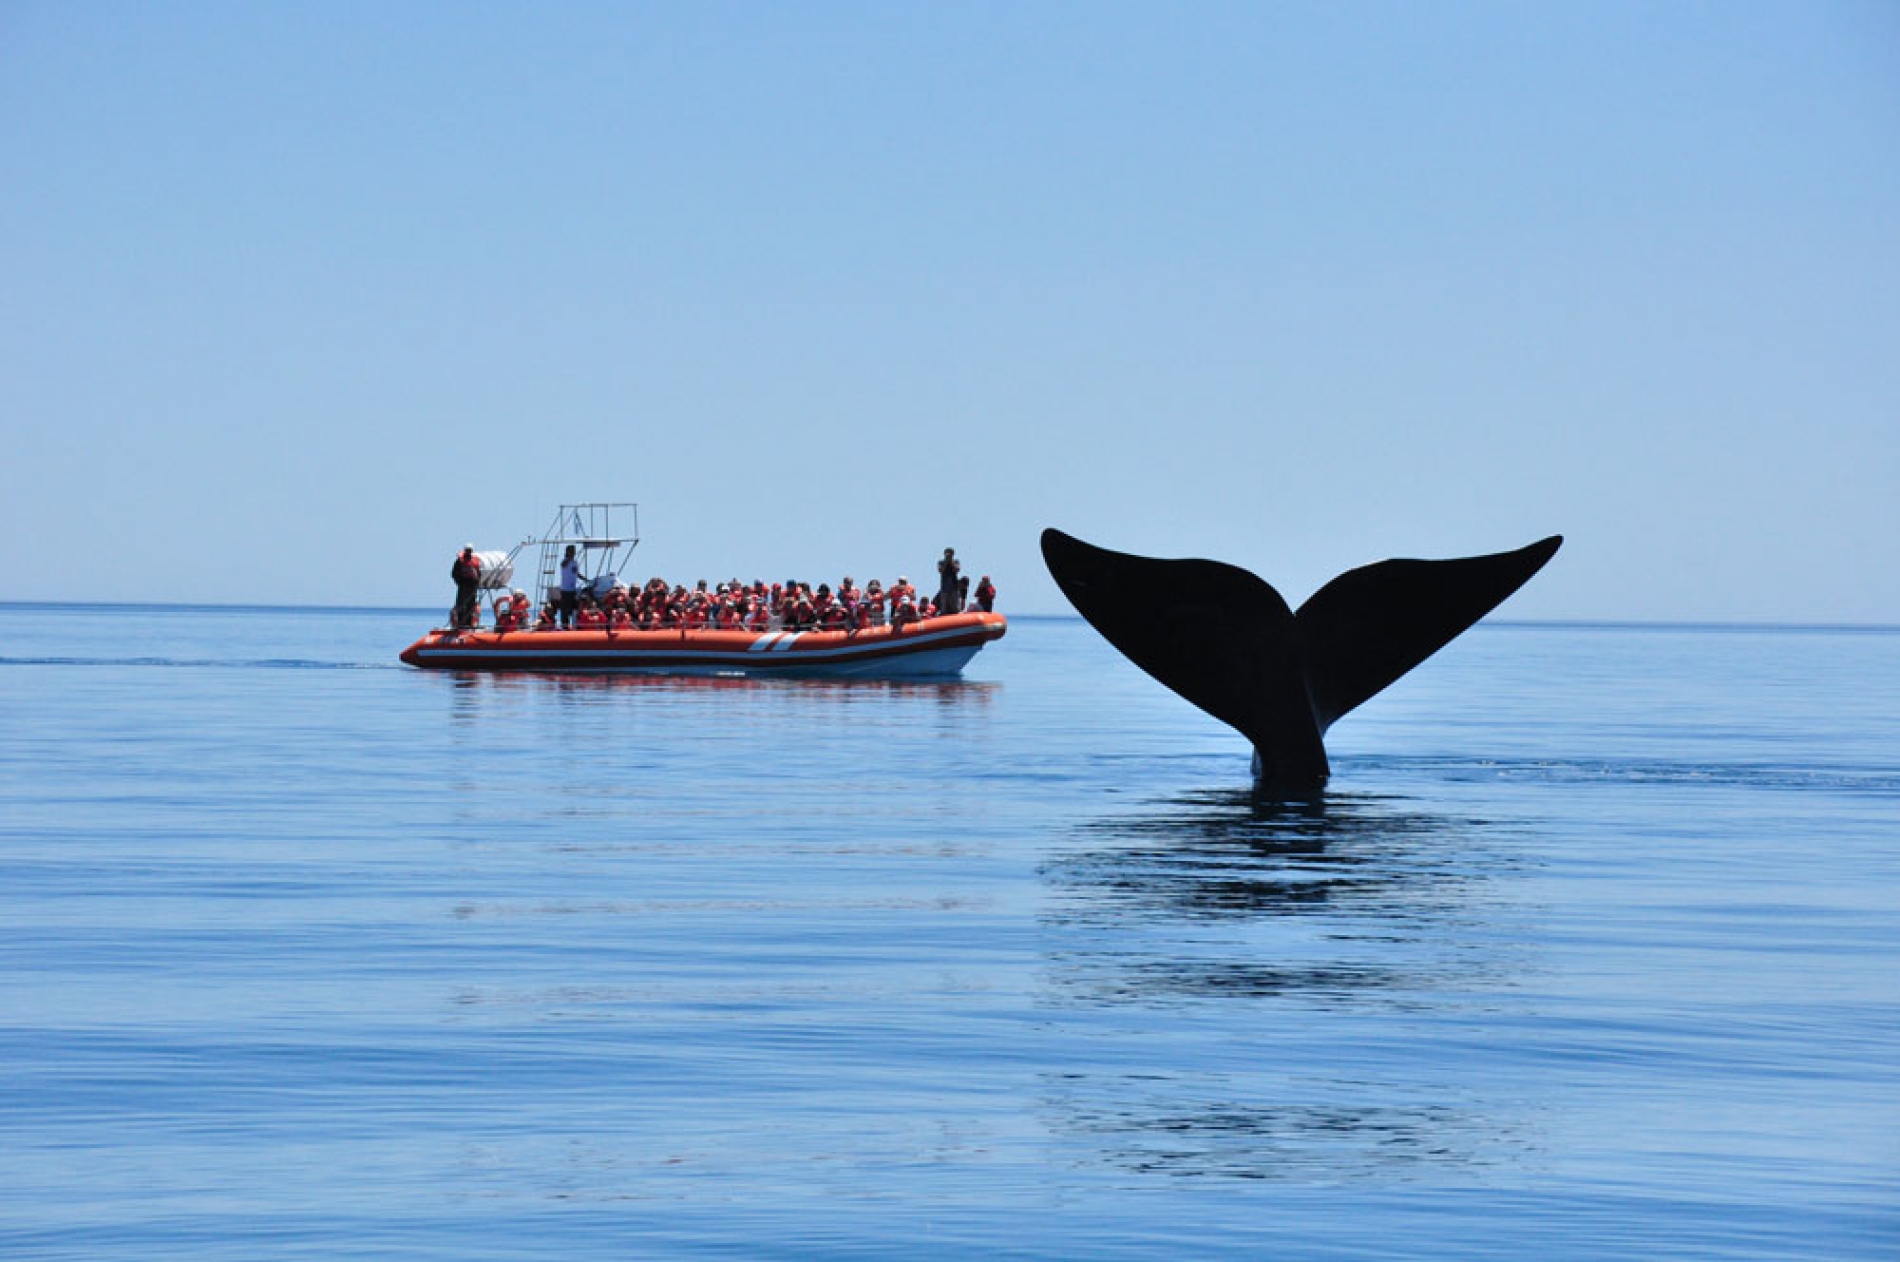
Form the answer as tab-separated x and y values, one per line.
604	536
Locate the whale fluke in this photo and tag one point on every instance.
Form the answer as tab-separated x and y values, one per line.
1225	640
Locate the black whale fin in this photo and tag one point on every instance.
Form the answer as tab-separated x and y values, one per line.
1226	641
1370	625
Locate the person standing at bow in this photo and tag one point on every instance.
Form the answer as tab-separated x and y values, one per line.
467	573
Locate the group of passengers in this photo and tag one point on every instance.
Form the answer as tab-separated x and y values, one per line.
735	606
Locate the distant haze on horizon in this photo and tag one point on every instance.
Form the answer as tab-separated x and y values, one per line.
297	299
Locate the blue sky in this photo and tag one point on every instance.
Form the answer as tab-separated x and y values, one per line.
296	298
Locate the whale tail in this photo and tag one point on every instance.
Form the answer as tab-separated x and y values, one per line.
1226	641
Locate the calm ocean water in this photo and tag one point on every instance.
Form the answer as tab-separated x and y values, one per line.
1592	951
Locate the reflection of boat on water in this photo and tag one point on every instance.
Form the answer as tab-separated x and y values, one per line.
929	648
935	647
839	689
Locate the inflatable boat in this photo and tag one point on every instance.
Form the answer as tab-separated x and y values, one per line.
932	648
603	536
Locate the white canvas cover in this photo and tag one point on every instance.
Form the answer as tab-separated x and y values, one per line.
497	570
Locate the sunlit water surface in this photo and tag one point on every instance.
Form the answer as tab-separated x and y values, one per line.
1592	950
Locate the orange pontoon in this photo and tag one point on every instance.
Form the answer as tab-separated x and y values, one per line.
933	647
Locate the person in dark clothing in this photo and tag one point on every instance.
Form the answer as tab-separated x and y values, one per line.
949	595
467	573
986	595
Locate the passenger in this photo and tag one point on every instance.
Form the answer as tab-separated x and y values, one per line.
570	587
926	608
512	612
758	614
963	593
947	590
986	595
467	573
620	619
874	601
589	617
545	622
902	590
903	612
848	593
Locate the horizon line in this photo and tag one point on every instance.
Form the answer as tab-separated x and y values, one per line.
1634	624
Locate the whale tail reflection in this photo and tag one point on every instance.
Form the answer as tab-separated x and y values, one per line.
1226	641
